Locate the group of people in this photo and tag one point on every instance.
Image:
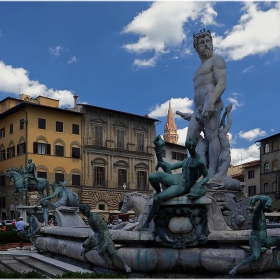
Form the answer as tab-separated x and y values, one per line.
18	226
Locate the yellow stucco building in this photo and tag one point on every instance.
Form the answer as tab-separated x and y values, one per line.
40	130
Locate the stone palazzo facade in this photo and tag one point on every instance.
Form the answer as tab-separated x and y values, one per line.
117	155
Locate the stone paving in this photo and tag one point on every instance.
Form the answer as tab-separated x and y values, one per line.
24	260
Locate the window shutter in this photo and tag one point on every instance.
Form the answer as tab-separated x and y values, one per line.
120	139
17	149
48	149
59	150
119	177
145	180
138	180
59	177
35	147
75	152
78	152
95	176
98	136
75	179
103	177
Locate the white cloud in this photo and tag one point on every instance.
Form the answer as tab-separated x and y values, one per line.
209	14
145	63
251	134
248	69
72	60
243	155
13	78
161	26
55	50
181	104
232	139
236	94
235	103
182	134
257	32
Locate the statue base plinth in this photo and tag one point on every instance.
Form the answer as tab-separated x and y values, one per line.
68	217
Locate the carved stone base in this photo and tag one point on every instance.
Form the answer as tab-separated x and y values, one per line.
67	217
181	222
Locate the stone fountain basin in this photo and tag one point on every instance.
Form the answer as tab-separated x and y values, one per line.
219	255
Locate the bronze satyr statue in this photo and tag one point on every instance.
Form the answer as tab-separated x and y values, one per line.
179	184
65	198
34	226
101	240
159	143
258	237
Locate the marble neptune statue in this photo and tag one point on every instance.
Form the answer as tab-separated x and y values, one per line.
209	85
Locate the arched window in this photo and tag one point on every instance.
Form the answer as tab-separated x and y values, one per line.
274	165
41	146
42	173
11	151
266	167
59	176
266	188
274	186
21	147
266	148
2	153
76	178
274	146
59	149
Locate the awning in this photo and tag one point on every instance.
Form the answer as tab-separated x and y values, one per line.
272	214
114	212
99	211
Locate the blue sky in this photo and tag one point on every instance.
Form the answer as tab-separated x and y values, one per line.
136	56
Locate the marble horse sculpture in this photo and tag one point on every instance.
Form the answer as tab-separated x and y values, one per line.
135	201
18	177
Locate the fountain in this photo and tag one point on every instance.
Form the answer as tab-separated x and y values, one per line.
199	222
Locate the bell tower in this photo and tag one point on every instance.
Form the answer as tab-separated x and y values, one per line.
170	129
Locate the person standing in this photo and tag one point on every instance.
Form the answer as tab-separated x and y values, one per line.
3	228
20	224
14	223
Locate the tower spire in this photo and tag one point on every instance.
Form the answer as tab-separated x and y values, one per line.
170	129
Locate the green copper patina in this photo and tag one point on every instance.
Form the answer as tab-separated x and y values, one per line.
34	226
65	197
101	240
159	143
259	238
179	184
